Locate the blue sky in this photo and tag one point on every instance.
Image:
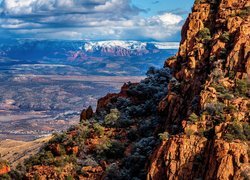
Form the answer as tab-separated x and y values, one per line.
149	20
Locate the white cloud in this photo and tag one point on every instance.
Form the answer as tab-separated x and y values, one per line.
84	19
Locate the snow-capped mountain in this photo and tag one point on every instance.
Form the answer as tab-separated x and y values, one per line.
126	48
129	45
81	50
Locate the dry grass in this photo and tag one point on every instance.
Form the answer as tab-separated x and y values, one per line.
17	151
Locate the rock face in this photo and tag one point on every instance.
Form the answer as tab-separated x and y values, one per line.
86	114
213	58
195	157
4	169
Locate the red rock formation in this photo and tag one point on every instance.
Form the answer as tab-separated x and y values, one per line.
103	102
4	169
195	157
198	65
86	114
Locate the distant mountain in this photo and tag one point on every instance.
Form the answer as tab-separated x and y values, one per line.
126	48
80	50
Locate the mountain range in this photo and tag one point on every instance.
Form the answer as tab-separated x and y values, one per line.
80	50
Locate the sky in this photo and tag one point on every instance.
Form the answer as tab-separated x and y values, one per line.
145	20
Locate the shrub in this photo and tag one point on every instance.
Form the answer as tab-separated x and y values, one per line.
5	177
69	178
89	161
229	137
112	117
223	53
225	37
231	74
116	150
238	131
151	71
230	108
242	86
84	132
204	34
244	12
99	130
58	138
145	146
246	129
193	117
164	136
189	132
215	109
219	88
227	96
199	1
212	58
45	158
103	145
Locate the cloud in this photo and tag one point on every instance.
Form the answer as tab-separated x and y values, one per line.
84	19
177	11
155	2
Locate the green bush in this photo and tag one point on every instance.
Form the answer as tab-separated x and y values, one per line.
58	138
199	1
193	117
5	177
229	137
244	12
227	96
164	136
230	108
111	118
219	88
239	131
204	34
69	178
246	129
225	37
99	130
212	58
104	145
242	86
189	132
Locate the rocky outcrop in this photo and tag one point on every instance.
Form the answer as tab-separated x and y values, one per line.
4	169
86	114
102	103
194	157
212	62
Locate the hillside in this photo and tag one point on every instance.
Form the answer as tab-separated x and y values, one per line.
17	151
188	120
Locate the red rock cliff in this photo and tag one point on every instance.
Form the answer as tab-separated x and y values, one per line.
210	97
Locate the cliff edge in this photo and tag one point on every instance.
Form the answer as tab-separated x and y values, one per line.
210	98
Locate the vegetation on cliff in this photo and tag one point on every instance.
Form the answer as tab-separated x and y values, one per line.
116	141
